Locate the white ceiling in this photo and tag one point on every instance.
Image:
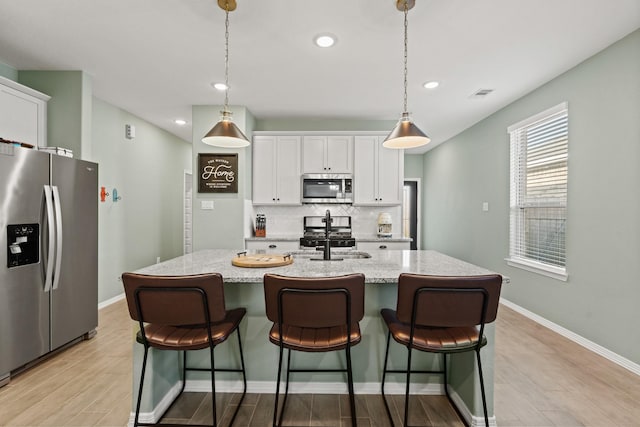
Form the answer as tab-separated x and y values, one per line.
156	58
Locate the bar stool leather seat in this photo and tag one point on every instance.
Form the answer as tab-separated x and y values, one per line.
191	337
431	339
315	339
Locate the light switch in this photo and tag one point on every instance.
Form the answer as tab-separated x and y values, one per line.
485	206
206	205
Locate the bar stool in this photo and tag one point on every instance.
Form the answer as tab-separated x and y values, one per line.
318	314
183	313
445	315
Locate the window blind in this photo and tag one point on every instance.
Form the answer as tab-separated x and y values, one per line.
538	190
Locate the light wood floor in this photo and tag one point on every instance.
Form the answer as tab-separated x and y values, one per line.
541	379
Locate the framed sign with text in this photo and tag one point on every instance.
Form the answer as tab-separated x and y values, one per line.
217	173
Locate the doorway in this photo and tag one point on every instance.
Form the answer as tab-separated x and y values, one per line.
410	211
187	213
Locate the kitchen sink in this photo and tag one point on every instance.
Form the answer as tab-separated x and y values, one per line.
334	254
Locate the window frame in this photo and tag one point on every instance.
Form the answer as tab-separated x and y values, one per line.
516	225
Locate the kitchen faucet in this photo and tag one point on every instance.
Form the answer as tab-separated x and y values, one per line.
327	231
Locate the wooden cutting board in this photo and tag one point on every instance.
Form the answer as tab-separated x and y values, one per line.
261	260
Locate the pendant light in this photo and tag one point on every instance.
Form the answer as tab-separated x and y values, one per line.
225	133
406	134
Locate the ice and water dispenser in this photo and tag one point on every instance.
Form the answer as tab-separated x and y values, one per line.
23	244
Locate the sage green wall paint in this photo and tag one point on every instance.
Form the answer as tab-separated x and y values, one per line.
599	300
148	173
8	72
86	120
250	126
319	124
413	165
224	226
66	114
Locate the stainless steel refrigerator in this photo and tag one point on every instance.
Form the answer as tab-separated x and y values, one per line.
48	254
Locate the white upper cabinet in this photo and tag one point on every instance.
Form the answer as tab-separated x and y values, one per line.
23	113
327	154
378	173
276	170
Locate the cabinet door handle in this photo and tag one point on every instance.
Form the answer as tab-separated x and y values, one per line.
383	246
273	246
274	199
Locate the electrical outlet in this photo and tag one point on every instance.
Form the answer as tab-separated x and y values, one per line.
207	205
485	206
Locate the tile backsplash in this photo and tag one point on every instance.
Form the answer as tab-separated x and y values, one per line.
287	221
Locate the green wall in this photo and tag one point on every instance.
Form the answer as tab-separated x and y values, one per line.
148	172
599	300
320	124
413	165
68	110
8	72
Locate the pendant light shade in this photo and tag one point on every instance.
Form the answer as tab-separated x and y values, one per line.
406	134
225	133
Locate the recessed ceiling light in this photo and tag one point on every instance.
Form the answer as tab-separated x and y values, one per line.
431	85
220	86
180	122
324	40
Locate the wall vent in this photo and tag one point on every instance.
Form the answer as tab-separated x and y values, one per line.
481	93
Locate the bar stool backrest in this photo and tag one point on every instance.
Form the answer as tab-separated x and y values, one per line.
175	300
448	301
314	310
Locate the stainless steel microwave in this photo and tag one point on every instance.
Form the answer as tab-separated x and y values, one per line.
327	188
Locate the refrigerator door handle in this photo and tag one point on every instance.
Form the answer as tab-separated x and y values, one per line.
52	239
57	204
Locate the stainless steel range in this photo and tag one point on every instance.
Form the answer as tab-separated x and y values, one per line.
339	232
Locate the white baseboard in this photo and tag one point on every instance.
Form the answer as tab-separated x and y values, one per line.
589	345
110	301
269	387
470	419
154	416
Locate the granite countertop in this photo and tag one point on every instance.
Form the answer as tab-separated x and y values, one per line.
364	238
382	267
274	238
373	238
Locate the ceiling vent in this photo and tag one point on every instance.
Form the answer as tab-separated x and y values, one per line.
481	93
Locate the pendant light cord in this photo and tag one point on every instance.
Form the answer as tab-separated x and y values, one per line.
226	58
406	43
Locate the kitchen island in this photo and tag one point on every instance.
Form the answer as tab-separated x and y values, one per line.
243	287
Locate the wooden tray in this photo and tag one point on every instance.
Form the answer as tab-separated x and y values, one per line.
261	260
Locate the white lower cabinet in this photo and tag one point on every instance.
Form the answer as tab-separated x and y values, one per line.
273	246
380	246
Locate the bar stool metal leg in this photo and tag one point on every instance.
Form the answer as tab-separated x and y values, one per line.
144	368
384	375
213	388
352	400
484	397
